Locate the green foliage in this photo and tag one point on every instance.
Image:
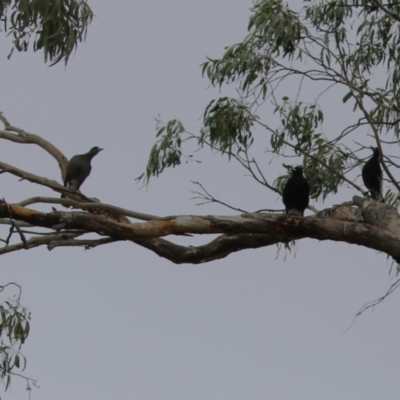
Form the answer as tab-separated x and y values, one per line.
167	150
300	123
14	330
392	198
323	163
324	170
347	48
239	60
56	26
288	248
274	23
227	126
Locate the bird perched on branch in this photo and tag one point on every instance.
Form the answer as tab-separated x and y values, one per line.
296	193
78	169
372	175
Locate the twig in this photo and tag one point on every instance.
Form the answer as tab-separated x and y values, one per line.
374	303
212	199
2	287
37	241
269	210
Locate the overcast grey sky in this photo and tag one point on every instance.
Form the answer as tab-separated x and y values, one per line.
118	322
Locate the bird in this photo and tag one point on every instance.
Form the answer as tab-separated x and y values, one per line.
296	193
78	169
372	176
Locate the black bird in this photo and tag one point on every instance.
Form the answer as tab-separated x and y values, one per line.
296	193
78	169
372	176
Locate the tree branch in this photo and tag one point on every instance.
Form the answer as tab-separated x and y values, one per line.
217	249
50	183
37	241
88	207
25	137
337	224
88	244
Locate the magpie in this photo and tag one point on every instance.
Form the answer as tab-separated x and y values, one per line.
78	169
372	176
296	193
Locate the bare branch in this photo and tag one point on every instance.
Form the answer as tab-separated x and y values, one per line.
88	207
40	180
88	244
374	303
37	241
25	137
211	199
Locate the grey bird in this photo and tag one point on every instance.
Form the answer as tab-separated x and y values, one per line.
372	175
78	169
296	193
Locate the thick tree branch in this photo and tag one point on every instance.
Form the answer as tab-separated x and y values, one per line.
337	224
217	249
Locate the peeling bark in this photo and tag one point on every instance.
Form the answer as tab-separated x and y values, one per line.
375	226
